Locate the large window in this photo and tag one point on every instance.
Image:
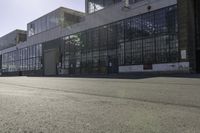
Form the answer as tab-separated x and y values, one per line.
162	49
95	5
44	23
52	20
144	39
66	55
25	59
31	58
148	51
137	52
148	27
121	53
10	62
136	27
174	49
128	53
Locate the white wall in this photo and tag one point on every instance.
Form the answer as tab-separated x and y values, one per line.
179	66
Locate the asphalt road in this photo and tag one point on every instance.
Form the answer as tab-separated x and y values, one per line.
89	105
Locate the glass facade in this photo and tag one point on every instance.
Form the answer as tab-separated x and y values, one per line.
44	23
59	17
95	5
146	39
25	59
12	39
149	38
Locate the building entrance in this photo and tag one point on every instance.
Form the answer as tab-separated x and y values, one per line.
50	62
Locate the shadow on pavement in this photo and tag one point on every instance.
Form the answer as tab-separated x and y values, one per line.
138	75
131	76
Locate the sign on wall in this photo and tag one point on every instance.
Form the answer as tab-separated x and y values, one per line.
183	54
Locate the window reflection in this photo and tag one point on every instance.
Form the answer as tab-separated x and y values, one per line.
24	59
95	5
144	39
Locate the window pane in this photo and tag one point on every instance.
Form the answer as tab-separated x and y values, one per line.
128	53
137	52
149	51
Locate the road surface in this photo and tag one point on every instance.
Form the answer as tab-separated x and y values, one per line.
89	105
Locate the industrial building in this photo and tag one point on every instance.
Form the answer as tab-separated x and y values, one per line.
111	37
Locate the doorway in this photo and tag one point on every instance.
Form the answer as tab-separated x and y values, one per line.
50	62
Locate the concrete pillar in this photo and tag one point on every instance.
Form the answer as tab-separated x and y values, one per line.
186	35
86	6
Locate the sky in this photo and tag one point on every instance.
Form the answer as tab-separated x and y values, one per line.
15	14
